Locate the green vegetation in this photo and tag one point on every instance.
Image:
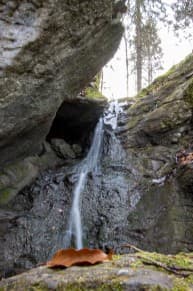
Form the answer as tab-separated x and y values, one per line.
180	265
160	82
178	269
6	195
92	91
189	94
39	287
109	286
181	260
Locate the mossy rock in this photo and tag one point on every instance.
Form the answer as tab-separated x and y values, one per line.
7	195
189	94
140	271
178	71
92	91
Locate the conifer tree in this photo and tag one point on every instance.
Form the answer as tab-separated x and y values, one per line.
145	44
151	49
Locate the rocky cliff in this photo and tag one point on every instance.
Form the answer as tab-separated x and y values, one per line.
49	52
158	131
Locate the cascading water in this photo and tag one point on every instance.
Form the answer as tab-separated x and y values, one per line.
111	116
89	164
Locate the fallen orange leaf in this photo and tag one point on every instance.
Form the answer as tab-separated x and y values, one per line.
69	257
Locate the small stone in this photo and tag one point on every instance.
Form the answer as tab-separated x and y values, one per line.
123	272
62	148
77	148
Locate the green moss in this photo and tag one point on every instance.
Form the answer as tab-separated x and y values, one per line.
38	287
136	264
165	80
6	195
189	280
144	92
97	80
133	122
180	285
189	94
109	286
113	286
92	92
167	123
180	260
74	287
116	257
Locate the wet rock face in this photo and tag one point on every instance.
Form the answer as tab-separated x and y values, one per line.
141	193
68	138
159	126
39	214
49	50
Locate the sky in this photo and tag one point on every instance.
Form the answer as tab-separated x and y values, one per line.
114	73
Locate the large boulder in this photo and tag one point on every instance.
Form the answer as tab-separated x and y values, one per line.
49	51
140	271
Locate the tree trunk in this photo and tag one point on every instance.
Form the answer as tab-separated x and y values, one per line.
138	45
126	64
150	73
101	81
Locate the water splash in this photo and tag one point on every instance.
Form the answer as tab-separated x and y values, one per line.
111	115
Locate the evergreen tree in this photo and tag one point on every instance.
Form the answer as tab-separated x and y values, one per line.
143	36
183	13
138	41
142	39
151	49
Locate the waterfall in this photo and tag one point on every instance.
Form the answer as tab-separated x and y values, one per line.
89	164
111	115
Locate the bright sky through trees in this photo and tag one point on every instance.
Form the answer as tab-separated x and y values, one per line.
114	73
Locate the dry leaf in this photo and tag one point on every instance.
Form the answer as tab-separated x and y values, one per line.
69	257
186	159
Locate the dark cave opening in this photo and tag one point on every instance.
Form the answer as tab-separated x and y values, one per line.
76	120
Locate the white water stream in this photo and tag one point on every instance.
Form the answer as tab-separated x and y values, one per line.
112	114
89	164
